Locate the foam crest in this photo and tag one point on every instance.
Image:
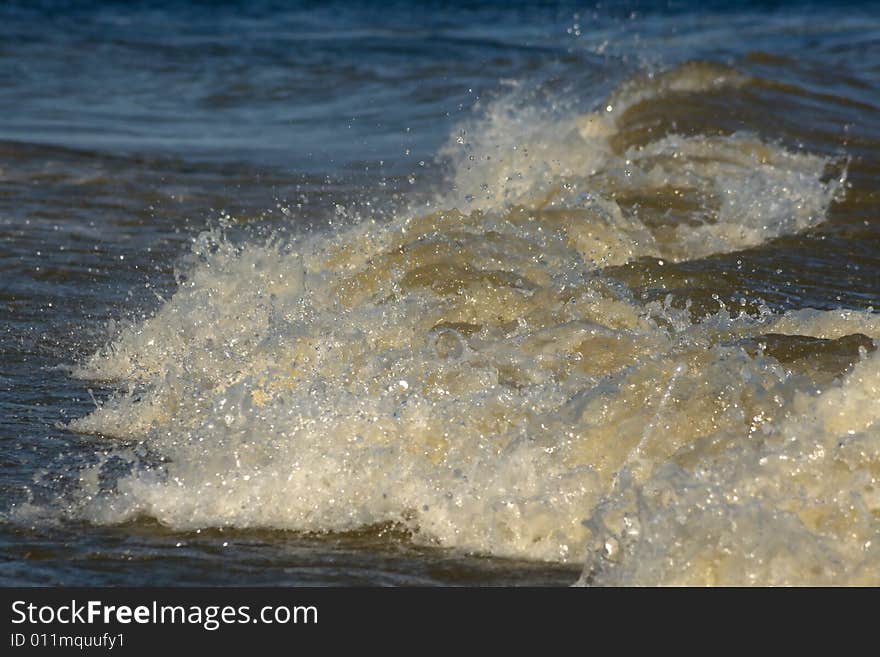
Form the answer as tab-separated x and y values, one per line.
473	377
689	196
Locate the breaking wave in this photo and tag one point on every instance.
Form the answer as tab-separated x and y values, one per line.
475	376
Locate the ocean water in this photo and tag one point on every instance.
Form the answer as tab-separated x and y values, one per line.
441	293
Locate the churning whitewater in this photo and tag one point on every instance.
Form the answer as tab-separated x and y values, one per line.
474	375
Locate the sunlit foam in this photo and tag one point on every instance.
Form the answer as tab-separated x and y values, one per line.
472	375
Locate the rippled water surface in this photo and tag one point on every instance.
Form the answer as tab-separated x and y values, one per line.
462	293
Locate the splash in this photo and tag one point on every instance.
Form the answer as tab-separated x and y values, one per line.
474	376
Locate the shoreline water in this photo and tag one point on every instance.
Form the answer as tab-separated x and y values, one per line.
541	304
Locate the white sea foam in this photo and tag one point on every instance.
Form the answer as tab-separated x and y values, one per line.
474	377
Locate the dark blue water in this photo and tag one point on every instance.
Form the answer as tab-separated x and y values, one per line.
127	128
